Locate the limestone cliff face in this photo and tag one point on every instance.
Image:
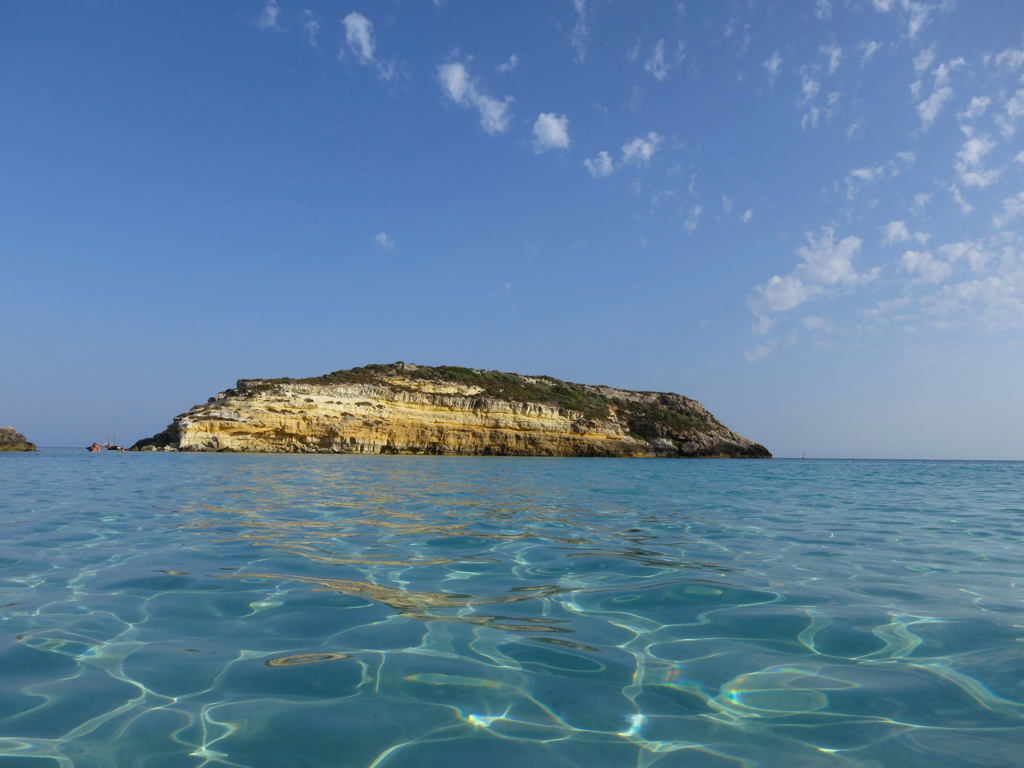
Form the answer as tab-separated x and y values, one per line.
14	441
410	409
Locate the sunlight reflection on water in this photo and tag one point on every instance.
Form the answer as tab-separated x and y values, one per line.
276	610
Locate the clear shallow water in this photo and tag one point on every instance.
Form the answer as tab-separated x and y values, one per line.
234	610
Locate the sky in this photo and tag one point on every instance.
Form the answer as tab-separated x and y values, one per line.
806	214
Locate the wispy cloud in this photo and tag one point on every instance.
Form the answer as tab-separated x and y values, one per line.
976	109
550	132
747	215
1013	111
969	162
462	89
267	19
760	352
922	263
1012	208
868	49
361	42
312	28
508	66
693	219
637	152
640	150
660	62
384	241
835	56
896	232
773	65
826	263
930	108
600	166
580	37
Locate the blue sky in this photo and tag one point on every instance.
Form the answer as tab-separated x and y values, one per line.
806	215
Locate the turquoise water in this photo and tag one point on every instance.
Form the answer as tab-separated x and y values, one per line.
239	610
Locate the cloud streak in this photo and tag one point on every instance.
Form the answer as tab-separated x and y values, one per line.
458	86
361	42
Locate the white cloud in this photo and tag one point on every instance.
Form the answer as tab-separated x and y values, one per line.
460	88
809	87
693	219
640	150
943	71
868	49
895	232
760	352
929	109
835	56
782	293
581	32
818	323
747	215
360	40
918	14
1012	208
965	207
860	177
726	203
882	5
994	299
762	325
831	263
359	36
384	241
825	263
856	130
508	66
976	109
657	65
550	132
920	201
1010	58
924	59
927	266
823	10
773	65
1019	158
978	257
268	16
311	26
1013	111
968	162
600	165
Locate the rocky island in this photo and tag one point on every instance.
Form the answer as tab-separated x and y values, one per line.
446	410
14	441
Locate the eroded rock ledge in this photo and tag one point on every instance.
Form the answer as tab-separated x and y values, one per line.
14	441
409	409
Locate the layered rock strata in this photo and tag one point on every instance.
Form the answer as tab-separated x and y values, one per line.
14	441
407	409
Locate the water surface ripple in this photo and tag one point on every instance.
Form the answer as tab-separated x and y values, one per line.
389	612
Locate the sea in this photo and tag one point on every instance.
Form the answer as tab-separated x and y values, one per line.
180	609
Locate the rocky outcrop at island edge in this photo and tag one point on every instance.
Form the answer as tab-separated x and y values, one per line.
408	409
14	441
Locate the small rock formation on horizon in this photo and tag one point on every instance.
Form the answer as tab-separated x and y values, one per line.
408	409
14	441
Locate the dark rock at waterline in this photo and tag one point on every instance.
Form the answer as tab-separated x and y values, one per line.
10	440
